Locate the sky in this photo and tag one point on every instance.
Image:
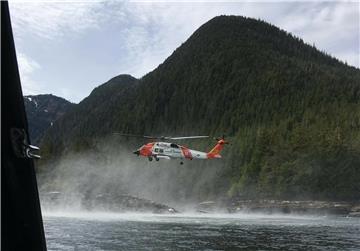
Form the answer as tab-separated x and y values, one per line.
67	48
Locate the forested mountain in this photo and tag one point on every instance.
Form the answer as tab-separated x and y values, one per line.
42	111
291	112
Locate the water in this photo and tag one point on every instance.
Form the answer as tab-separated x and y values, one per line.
110	231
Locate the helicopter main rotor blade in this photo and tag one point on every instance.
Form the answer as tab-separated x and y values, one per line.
188	137
160	137
135	135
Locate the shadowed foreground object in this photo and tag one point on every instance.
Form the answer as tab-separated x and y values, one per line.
21	221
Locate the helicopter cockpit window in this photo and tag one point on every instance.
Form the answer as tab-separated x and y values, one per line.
174	146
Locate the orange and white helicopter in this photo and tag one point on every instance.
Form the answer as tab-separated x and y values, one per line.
164	150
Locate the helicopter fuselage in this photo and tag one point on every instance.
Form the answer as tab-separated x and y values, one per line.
166	150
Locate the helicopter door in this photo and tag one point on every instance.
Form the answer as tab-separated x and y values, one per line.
176	152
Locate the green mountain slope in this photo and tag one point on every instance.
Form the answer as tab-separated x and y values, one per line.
42	111
291	112
91	116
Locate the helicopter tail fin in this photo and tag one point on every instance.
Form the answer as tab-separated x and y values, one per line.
215	152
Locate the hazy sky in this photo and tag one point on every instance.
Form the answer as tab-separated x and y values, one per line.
69	47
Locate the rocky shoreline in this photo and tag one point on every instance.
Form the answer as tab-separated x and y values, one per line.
129	203
105	202
285	206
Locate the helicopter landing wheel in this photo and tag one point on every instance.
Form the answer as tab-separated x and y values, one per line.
150	158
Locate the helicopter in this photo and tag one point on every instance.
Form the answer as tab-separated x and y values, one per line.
164	150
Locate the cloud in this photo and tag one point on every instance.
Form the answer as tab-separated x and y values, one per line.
51	20
155	30
332	26
26	67
137	36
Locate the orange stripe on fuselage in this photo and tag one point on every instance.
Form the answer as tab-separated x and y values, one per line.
186	152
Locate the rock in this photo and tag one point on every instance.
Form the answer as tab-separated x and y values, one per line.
106	202
127	202
206	207
355	211
354	214
285	206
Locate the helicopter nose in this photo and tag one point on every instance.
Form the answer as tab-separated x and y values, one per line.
137	152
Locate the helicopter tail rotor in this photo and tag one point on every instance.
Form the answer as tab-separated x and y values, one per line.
222	139
215	152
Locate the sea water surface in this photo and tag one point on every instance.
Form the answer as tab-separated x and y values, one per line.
132	231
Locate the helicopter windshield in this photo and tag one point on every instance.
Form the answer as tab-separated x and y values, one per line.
174	145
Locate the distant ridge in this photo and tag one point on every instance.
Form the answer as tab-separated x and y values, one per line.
42	111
